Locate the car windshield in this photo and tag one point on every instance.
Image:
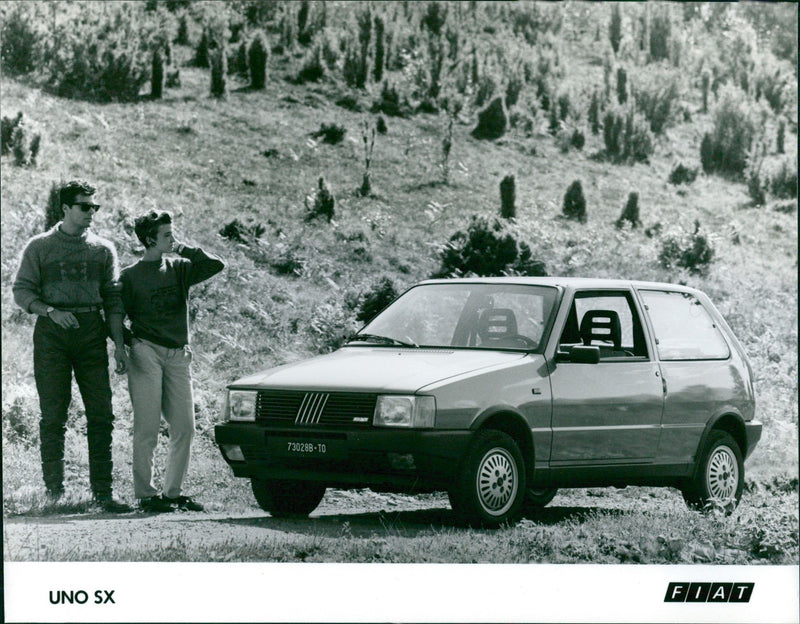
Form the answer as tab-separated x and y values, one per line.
464	315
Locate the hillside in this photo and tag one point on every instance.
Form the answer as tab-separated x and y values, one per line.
293	287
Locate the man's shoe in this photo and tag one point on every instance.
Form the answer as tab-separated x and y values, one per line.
156	504
107	503
184	503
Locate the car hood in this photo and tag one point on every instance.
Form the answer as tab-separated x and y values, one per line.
378	369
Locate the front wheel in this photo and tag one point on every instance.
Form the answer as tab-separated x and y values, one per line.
287	498
719	478
490	488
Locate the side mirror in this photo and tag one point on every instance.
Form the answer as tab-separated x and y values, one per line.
580	354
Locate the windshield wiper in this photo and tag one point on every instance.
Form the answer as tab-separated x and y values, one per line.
381	339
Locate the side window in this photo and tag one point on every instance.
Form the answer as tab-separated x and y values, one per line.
605	319
684	329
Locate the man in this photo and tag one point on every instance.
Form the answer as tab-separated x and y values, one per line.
155	293
67	276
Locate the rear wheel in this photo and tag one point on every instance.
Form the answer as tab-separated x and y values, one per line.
287	498
719	478
490	488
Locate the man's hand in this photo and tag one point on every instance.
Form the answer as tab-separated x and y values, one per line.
121	357
64	319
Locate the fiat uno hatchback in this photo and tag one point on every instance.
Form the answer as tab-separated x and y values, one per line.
501	390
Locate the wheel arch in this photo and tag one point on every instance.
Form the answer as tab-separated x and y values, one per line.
729	421
512	423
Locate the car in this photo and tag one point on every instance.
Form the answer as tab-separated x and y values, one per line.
500	391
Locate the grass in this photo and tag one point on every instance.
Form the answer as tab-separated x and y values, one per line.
289	294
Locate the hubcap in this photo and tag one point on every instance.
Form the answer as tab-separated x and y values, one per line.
497	481
722	474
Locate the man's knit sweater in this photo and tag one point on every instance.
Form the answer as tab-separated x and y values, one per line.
69	272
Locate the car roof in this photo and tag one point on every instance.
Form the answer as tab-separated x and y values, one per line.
568	283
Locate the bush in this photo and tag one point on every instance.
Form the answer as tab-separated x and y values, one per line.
783	182
24	147
486	249
681	174
622	85
492	120
330	133
313	69
630	212
52	212
508	209
593	114
7	135
615	27
157	76
201	55
390	103
376	299
182	36
692	252
626	135
19	40
781	136
323	204
574	206
736	123
219	69
258	55
660	34
380	49
657	99
242	232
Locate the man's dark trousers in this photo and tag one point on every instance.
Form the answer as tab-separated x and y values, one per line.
57	353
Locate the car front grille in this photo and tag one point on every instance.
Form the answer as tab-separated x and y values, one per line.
327	409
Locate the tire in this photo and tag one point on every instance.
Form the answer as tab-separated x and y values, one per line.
536	498
287	498
490	488
719	476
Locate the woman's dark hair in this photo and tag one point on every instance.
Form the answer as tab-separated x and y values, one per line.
146	226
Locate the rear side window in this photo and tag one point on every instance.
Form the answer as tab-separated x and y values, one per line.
684	329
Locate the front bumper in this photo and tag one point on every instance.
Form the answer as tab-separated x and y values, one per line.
395	459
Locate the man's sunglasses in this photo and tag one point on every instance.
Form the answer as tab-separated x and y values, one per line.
86	207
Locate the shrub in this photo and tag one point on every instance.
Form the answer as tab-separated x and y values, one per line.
681	174
615	27
313	69
736	124
240	232
372	301
380	125
622	85
574	206
201	55
781	137
157	76
182	36
487	249
389	102
657	99
434	18
173	79
660	34
492	120
783	182
219	69
705	82
239	64
52	212
368	139
508	209
323	204
257	57
630	212
693	252
626	135
593	114
24	150
330	133
380	49
577	139
447	145
7	136
19	41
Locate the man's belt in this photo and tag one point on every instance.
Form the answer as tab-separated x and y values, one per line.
85	310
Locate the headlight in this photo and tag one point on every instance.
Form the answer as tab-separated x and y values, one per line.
242	405
405	411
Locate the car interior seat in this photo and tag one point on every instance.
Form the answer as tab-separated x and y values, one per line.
496	324
603	325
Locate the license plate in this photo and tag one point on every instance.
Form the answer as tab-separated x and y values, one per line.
305	447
